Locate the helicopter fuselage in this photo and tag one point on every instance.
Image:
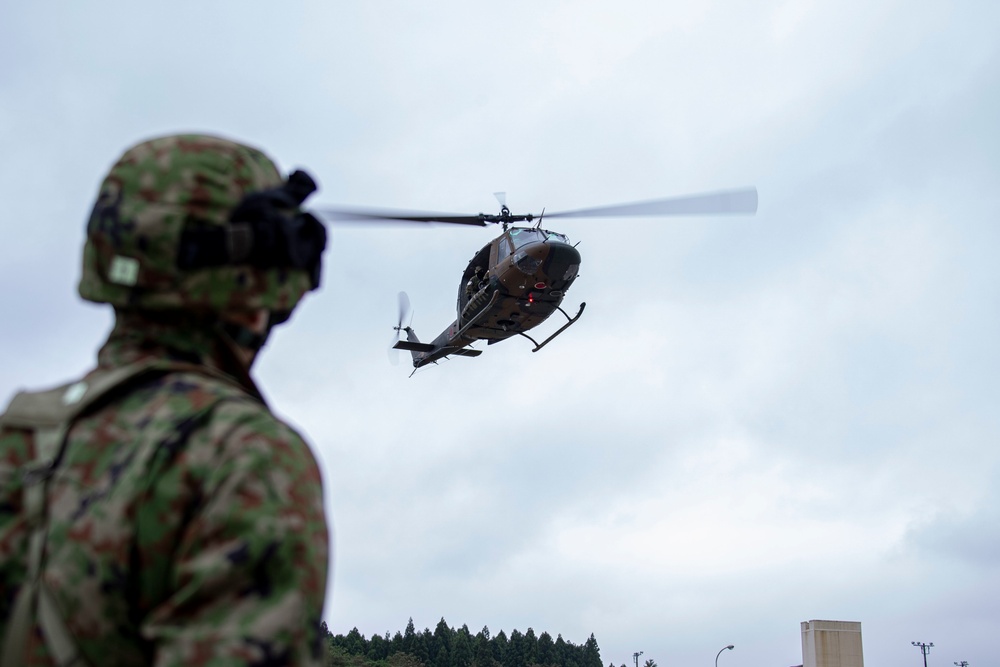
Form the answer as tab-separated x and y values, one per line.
509	287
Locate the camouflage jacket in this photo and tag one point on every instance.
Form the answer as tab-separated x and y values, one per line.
185	521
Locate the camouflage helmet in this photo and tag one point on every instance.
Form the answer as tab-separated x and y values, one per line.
199	223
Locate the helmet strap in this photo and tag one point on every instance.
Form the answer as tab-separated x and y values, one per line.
243	336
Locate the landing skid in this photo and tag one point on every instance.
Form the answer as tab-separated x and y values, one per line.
545	342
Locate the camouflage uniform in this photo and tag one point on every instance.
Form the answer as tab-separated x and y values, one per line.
180	522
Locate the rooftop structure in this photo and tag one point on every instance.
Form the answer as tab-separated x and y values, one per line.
831	644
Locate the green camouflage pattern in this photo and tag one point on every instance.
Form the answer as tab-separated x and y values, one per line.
155	188
186	522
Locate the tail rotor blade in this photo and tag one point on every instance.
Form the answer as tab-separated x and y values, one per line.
404	309
404	312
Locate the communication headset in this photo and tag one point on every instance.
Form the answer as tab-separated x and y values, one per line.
267	230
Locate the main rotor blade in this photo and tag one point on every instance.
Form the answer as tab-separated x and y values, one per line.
714	203
368	215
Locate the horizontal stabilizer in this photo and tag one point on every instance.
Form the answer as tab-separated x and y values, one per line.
413	347
465	352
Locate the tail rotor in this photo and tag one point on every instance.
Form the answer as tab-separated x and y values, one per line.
405	314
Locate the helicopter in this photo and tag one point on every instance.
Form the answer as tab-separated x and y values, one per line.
520	278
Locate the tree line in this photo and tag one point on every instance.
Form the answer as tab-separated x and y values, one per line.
450	647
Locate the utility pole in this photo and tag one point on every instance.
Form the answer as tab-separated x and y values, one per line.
636	656
925	649
964	663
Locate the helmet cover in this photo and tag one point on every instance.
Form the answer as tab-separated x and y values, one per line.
154	193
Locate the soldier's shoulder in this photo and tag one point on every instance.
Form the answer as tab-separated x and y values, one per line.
233	408
249	422
246	441
196	383
234	417
28	407
178	393
222	426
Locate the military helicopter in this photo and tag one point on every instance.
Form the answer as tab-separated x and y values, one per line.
520	278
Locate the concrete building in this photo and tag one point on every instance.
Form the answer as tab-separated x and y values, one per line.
831	644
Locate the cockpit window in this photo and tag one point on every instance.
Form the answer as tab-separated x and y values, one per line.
521	236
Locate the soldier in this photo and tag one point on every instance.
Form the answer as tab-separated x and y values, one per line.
155	511
476	283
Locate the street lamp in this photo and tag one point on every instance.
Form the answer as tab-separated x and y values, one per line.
728	648
924	648
964	663
636	656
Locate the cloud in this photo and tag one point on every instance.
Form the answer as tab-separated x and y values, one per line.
962	531
757	421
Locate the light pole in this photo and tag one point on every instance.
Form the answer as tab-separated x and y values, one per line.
636	656
729	648
924	648
964	663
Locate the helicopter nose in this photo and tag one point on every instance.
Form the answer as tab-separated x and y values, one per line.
562	263
529	258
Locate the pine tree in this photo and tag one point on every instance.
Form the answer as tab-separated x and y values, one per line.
410	637
499	647
562	651
463	648
397	643
355	643
423	643
591	653
440	647
378	648
530	643
515	650
484	651
546	654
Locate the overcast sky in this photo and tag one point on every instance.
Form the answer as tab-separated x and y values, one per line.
758	421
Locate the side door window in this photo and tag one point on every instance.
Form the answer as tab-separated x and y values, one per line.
503	248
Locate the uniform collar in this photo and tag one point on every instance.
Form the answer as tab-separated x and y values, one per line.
141	336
